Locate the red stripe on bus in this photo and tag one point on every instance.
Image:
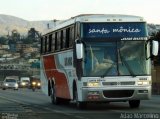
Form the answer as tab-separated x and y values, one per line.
62	88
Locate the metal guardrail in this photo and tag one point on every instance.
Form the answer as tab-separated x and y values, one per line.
14	67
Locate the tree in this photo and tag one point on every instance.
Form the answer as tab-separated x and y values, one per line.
158	36
15	35
27	40
3	40
33	34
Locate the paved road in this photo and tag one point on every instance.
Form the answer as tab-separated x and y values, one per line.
25	104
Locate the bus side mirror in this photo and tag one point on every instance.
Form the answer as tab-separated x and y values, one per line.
155	47
79	50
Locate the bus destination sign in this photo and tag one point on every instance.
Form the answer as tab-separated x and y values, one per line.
115	30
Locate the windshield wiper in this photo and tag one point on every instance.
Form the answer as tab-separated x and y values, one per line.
126	64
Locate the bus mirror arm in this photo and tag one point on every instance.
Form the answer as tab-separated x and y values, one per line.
146	50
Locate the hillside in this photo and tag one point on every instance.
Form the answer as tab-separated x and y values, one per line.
8	23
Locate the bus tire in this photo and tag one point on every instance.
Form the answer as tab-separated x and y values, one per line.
81	105
55	100
134	103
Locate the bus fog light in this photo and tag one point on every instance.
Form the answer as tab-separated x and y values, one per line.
93	95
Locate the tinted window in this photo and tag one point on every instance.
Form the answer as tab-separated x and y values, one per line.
10	80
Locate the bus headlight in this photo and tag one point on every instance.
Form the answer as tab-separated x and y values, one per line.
143	82
93	84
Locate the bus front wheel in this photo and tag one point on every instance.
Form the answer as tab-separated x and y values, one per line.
80	105
134	103
54	99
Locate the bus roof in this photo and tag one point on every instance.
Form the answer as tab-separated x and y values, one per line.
97	18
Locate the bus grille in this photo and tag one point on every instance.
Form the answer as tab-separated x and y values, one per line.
118	83
118	93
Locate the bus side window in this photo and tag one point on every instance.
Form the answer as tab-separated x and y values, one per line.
67	37
71	39
61	41
64	39
53	42
45	44
50	43
77	29
42	45
56	41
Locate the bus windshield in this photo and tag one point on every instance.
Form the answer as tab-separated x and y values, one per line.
125	58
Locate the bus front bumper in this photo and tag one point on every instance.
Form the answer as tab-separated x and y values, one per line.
115	94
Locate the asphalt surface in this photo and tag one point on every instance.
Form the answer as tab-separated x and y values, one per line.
26	104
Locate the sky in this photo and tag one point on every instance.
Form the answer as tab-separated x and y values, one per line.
35	10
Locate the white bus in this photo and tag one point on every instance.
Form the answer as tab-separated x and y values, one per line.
97	58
